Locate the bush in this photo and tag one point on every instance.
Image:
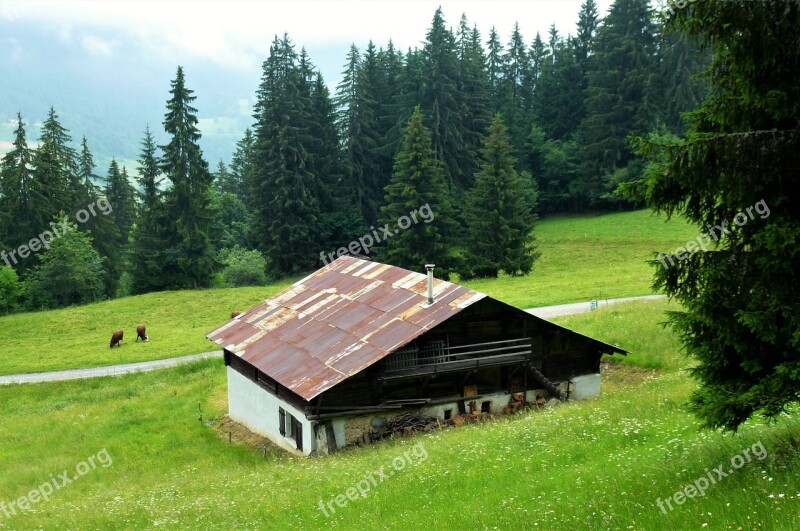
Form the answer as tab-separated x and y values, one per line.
70	272
243	267
10	288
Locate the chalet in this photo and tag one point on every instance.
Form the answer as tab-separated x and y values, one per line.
314	367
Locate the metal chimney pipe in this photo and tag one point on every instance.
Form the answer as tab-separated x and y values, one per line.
429	268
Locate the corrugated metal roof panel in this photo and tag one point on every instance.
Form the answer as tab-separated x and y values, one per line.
338	321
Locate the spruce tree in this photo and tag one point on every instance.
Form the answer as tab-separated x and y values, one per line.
498	214
121	195
441	100
473	86
189	260
102	226
358	129
559	107
418	180
283	196
17	218
55	173
620	95
149	243
518	89
241	166
224	180
495	65
735	175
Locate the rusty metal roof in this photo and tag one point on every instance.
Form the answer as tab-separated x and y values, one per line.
338	321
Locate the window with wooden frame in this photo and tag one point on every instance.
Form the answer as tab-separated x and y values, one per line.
290	427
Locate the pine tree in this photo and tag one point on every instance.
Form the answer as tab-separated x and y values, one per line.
498	214
17	218
189	259
418	180
121	195
473	86
224	180
681	63
621	95
284	202
441	100
495	64
55	173
149	243
588	21
734	175
87	190
241	166
559	108
101	226
358	130
518	91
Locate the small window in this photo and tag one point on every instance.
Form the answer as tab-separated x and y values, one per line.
448	414
290	427
486	407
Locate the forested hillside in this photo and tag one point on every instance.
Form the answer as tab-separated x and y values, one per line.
486	132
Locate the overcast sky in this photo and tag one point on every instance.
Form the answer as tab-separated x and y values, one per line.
237	34
105	65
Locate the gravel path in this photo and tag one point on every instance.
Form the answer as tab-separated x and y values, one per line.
146	366
112	370
582	307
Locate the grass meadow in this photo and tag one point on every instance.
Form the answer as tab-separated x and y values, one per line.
583	258
594	464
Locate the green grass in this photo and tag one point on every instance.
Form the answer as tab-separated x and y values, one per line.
591	257
583	258
595	464
177	323
638	328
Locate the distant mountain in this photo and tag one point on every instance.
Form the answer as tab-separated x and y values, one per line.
108	89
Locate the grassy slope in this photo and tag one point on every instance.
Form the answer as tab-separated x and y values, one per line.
177	323
599	463
578	254
591	257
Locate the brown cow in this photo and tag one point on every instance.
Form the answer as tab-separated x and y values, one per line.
235	314
116	338
140	333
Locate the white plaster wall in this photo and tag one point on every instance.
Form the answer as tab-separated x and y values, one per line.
256	408
498	400
585	386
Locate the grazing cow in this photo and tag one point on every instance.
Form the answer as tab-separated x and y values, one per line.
235	314
116	338
140	333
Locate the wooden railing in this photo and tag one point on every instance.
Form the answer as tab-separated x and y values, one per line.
438	355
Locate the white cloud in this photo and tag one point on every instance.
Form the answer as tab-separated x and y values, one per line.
237	33
97	46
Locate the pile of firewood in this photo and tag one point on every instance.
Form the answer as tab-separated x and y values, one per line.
405	424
